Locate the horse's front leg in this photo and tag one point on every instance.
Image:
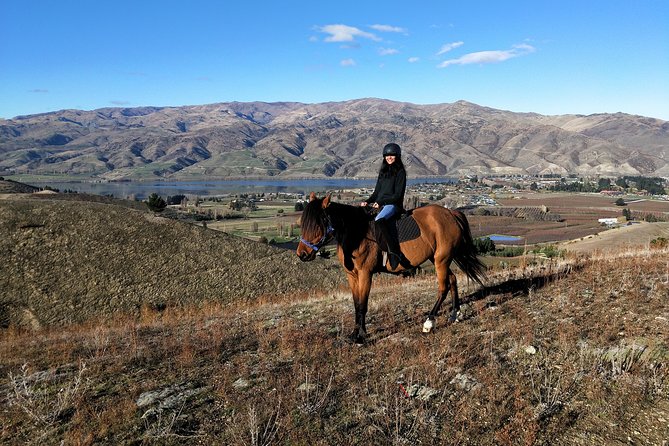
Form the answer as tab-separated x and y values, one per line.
360	283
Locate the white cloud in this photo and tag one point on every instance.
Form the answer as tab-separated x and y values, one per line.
486	57
524	47
387	51
388	28
448	47
345	33
413	59
347	63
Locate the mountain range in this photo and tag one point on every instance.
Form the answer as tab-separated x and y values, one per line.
334	139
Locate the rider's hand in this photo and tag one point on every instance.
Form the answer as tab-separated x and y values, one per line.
375	205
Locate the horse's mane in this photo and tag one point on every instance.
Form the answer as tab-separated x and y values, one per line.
313	217
351	223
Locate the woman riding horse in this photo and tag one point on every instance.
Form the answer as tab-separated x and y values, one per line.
444	237
388	196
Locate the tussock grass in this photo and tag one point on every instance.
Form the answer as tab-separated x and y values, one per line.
569	352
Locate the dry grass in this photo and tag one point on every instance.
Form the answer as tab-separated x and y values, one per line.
579	359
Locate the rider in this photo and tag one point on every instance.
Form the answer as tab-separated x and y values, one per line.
389	196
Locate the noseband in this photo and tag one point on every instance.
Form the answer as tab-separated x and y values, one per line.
327	236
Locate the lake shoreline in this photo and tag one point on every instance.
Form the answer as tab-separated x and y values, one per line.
142	189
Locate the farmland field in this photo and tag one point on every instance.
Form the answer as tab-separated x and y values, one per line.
580	214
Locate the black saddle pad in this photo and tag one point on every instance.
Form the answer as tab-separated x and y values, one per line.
407	228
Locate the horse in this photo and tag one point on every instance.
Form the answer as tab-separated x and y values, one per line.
445	237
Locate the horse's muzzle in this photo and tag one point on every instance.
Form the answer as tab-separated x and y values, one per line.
306	256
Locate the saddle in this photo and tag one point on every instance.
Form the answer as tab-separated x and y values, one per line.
406	227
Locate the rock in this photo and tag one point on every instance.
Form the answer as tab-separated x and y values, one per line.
307	387
531	350
168	398
422	393
465	382
241	384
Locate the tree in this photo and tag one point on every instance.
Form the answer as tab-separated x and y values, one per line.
175	199
604	184
620	182
156	203
484	245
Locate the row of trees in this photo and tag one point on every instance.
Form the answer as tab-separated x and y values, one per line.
652	185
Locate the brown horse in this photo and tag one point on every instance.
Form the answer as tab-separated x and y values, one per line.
444	237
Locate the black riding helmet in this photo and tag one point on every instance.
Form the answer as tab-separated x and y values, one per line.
392	149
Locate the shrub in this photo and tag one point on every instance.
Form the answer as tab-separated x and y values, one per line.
175	199
509	251
46	396
484	245
549	251
156	203
659	243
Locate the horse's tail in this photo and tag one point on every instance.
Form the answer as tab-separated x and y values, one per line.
465	255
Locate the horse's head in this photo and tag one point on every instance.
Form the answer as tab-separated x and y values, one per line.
315	227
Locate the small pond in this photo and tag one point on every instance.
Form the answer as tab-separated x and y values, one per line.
499	238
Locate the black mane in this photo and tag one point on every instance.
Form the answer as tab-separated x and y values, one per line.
350	224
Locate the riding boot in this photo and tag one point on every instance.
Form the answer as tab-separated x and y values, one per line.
389	231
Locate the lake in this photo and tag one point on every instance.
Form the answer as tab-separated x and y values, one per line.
498	238
142	189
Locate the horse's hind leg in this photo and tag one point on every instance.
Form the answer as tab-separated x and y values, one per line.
455	303
443	279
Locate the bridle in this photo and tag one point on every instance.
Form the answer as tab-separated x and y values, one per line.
328	234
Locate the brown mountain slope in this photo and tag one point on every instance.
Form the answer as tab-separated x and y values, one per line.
338	139
69	261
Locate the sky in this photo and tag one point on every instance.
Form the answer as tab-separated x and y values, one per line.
549	57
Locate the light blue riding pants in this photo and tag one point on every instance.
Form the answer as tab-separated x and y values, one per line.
386	212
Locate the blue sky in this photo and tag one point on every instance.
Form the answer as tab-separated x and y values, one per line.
549	57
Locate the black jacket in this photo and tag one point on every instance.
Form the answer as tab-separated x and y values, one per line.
390	189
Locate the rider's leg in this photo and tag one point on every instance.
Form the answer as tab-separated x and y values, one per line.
386	225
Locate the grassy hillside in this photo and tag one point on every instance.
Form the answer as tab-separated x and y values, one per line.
581	359
126	328
66	259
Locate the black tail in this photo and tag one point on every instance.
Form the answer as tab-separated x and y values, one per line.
465	256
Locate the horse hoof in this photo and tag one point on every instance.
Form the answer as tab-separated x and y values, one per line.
428	325
357	339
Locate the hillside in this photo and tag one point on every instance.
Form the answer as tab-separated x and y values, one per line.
122	327
14	187
578	358
68	259
336	139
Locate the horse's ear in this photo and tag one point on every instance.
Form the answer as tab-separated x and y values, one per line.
312	196
326	201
